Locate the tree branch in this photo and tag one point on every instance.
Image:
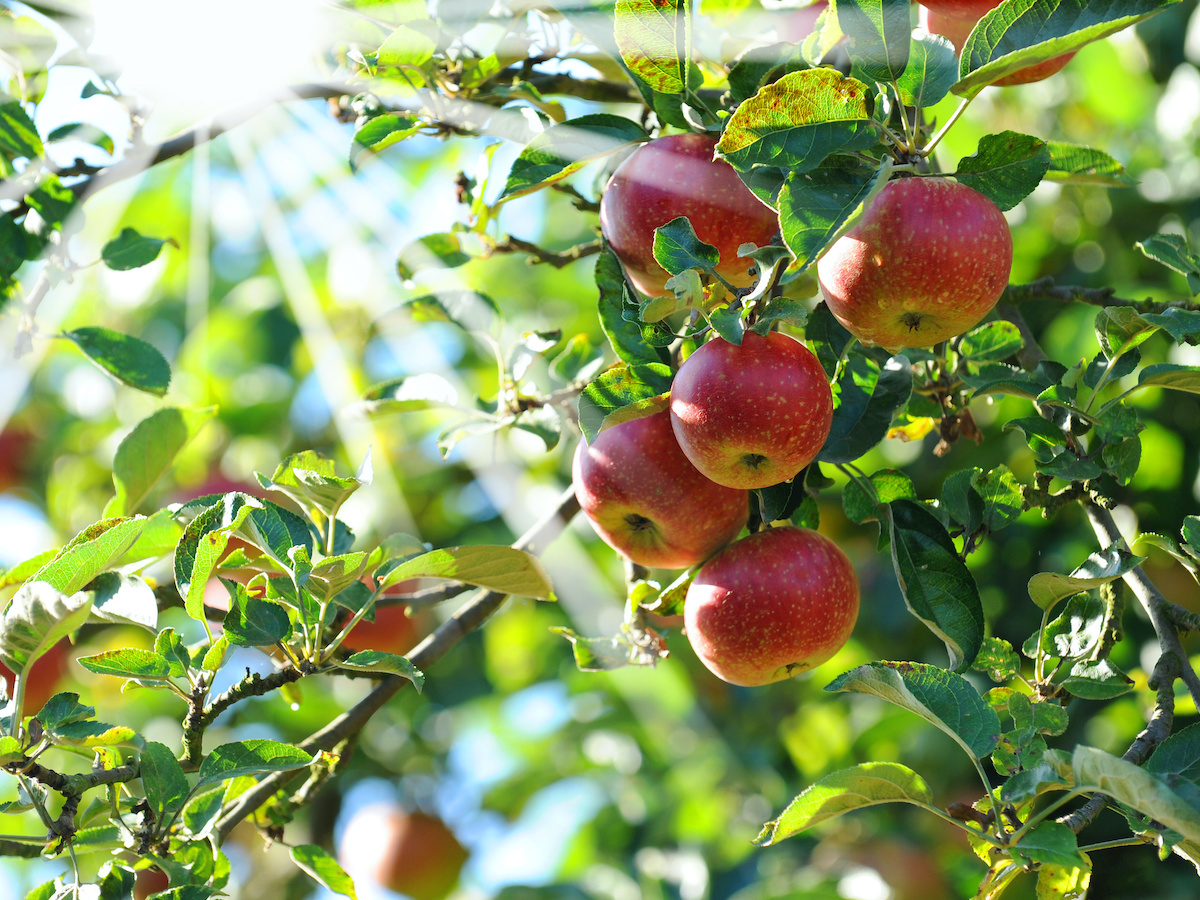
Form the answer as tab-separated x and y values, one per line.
1047	289
466	619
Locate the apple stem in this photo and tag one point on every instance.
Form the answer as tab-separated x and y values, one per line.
927	150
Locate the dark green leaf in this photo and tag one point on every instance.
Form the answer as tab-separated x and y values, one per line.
1022	33
961	500
1051	843
130	360
998	378
886	485
249	758
625	388
202	544
1006	167
1182	324
931	72
797	121
253	621
1003	497
163	781
1097	680
625	336
1172	251
1170	375
943	699
816	208
677	248
1178	756
938	588
991	341
130	250
52	199
565	148
18	134
997	659
880	32
1121	328
867	398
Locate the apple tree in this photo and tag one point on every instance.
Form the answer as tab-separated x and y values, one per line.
653	448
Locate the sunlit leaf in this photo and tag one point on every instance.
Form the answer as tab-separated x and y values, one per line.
130	360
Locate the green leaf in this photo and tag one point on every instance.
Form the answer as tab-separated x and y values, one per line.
18	135
130	250
1047	589
1182	324
149	451
997	659
887	485
37	617
1022	33
1170	375
163	781
131	662
311	480
436	251
409	45
1178	757
169	645
409	393
797	121
316	862
83	131
52	199
931	72
1172	251
943	699
991	341
379	133
253	621
1075	164
1062	882
563	149
624	335
867	398
1051	843
622	388
249	758
1006	167
94	550
654	40
497	568
1097	680
880	32
130	360
124	600
857	787
816	208
1130	784
384	663
1003	497
469	310
1121	328
677	248
937	586
202	544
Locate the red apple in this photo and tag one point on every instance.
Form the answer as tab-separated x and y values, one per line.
797	24
393	631
955	20
753	415
150	881
411	853
648	502
44	678
771	605
677	176
929	259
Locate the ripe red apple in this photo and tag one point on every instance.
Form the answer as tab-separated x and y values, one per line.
677	176
44	678
771	605
954	20
411	853
929	259
150	881
753	415
393	631
648	502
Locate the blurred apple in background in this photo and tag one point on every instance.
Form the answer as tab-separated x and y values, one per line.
412	853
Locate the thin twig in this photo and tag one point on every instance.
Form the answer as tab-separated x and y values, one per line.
510	244
465	620
1048	289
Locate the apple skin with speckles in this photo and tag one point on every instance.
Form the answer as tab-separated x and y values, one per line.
649	503
954	20
771	605
751	415
928	260
676	176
